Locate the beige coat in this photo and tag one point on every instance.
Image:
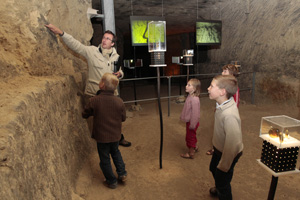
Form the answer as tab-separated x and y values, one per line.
227	137
97	64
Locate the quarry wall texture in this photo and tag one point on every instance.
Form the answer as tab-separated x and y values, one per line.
265	37
43	139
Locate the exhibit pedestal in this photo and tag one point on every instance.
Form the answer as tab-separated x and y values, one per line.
280	147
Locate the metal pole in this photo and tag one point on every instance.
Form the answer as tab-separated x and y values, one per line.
134	61
134	92
187	73
197	62
253	89
273	188
161	119
169	94
180	80
134	87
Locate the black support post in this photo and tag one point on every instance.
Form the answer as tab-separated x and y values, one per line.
273	188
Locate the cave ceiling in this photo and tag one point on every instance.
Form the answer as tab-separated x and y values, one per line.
180	15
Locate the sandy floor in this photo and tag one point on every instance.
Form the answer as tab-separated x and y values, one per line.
184	178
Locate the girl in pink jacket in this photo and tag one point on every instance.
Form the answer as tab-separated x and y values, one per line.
191	115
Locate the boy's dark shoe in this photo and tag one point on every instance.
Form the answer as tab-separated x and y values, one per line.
124	142
213	192
123	178
111	186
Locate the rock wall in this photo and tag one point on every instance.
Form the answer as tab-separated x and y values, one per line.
43	139
29	48
265	37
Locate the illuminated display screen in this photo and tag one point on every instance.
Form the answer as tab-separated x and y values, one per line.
209	32
139	29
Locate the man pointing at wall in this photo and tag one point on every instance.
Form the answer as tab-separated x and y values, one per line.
100	60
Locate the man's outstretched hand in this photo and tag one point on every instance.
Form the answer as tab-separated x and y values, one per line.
54	29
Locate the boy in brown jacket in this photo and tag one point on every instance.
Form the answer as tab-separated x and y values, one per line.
109	113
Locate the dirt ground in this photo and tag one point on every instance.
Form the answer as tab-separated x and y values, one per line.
185	178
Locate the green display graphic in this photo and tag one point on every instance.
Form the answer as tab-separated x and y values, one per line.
209	33
139	29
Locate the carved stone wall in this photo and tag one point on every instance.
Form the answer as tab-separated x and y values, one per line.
43	139
265	37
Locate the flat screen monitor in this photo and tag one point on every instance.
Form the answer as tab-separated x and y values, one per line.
209	32
139	29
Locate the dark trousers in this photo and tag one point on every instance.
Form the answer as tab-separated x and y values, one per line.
222	179
104	151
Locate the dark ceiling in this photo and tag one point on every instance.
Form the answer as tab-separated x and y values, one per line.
180	15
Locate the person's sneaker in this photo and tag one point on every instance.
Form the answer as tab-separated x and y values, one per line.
213	191
123	178
111	186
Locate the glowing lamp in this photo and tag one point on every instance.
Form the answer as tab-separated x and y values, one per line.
157	43
188	57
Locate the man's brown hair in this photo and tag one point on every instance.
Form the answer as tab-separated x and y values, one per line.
114	39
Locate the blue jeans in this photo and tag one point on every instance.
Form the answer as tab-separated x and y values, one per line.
222	179
106	149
